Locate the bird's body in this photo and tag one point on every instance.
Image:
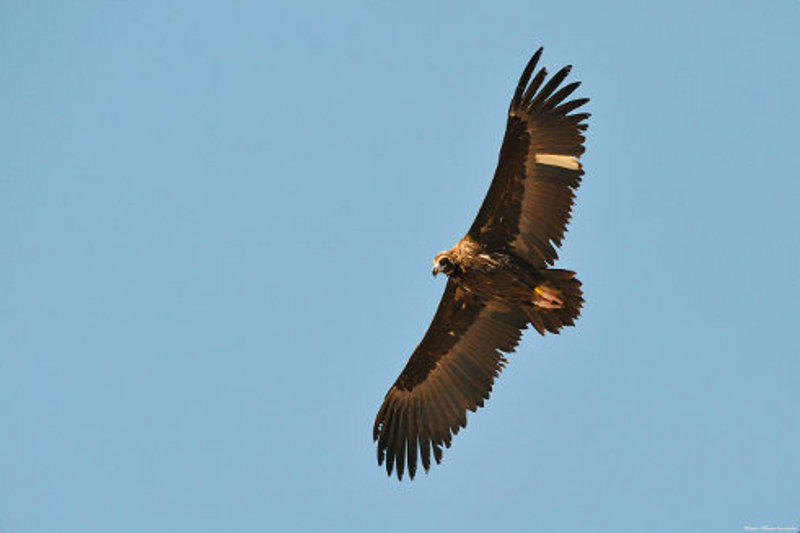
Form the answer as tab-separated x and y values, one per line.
499	277
493	274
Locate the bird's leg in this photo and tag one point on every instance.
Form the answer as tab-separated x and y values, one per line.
547	297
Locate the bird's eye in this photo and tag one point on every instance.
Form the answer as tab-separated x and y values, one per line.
444	262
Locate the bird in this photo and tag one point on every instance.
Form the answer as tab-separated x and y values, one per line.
499	274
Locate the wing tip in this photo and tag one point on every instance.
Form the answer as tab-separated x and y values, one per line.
525	77
533	93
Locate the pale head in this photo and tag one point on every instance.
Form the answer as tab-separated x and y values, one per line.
443	262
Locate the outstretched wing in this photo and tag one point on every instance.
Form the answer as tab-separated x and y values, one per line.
529	202
451	370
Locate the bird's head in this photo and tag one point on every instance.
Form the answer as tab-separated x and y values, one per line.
443	262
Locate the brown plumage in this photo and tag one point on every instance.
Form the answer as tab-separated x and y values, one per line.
499	280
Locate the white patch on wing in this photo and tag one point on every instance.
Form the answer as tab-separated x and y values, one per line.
555	160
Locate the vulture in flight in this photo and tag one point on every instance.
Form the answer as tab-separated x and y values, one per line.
499	277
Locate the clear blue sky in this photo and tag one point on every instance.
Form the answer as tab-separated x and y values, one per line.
217	221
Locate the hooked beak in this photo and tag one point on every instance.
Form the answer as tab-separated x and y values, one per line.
435	270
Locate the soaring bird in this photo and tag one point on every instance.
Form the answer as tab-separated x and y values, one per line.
499	277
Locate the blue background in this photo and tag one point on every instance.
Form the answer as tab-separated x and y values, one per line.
217	221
